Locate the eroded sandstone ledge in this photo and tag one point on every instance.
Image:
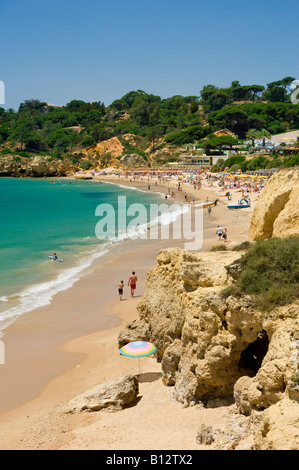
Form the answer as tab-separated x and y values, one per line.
35	167
277	211
212	347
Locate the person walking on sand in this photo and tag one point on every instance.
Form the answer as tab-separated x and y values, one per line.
120	289
224	235
219	232
132	283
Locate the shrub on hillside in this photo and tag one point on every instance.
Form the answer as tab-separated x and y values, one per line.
219	248
242	246
235	160
86	165
270	272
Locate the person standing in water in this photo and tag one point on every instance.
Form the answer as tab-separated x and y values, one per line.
132	282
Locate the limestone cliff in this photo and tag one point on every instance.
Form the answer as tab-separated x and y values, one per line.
133	160
277	211
112	146
212	347
36	167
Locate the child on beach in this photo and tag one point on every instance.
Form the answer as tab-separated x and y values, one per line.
120	289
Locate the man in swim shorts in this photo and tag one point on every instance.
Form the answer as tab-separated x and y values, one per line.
132	282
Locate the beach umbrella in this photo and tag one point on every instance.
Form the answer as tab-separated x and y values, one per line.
138	349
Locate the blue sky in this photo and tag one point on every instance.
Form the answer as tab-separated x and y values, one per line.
98	50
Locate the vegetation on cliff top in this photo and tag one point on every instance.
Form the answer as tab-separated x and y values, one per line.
269	272
66	131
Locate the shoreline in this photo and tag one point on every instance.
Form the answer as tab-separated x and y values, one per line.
61	280
78	271
66	356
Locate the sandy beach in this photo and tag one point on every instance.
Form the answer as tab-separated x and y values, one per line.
59	351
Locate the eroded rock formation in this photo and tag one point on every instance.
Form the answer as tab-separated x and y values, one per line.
277	211
36	167
113	395
132	160
212	347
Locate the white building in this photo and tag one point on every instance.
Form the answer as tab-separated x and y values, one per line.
208	160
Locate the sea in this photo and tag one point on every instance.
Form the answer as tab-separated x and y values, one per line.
40	217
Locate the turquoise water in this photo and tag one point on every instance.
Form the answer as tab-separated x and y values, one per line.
40	217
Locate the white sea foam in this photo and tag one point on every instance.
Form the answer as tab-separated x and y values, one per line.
135	189
41	294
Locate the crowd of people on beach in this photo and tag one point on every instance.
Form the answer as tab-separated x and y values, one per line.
179	182
249	183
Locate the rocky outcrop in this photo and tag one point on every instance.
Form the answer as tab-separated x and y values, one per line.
35	167
113	395
235	432
167	152
112	146
279	428
276	213
225	132
215	348
133	160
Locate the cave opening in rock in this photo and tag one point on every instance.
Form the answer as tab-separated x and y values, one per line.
252	357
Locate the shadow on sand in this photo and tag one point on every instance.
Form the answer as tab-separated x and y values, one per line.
149	377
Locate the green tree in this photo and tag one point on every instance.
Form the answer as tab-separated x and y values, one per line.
32	107
154	133
61	139
214	142
253	135
208	91
25	135
278	91
88	141
235	84
264	134
232	118
218	100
